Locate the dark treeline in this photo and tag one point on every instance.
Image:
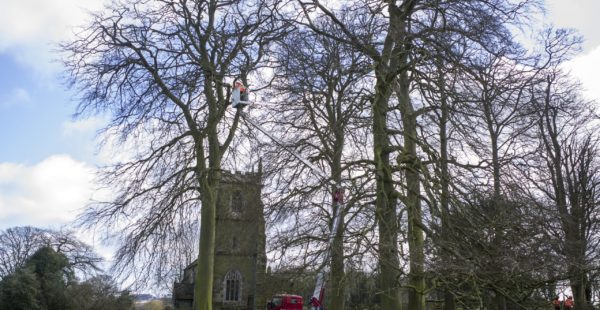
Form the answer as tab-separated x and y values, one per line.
40	269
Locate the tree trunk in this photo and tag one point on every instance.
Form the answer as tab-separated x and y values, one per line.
338	276
580	287
410	161
569	214
385	204
449	300
203	282
499	299
208	177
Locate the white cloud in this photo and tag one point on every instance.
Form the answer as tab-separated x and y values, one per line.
29	29
103	149
47	194
586	67
18	96
30	21
579	14
83	126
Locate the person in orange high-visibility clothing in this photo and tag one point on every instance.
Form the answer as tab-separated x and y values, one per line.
556	303
568	304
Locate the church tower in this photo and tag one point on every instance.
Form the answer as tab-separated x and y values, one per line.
240	260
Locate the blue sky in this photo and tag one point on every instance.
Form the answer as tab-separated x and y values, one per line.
47	159
31	113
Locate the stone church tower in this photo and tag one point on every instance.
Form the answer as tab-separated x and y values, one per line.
240	260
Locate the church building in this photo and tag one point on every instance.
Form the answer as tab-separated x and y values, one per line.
240	259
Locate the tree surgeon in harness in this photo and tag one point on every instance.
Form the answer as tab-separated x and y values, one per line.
239	95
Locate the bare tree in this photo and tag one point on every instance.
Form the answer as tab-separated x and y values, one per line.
161	70
321	84
569	179
17	244
398	36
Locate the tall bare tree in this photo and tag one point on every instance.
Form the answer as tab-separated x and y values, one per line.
161	70
569	179
322	85
398	36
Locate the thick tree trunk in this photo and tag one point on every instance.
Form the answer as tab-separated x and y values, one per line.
338	276
203	282
449	300
208	177
410	161
580	286
385	204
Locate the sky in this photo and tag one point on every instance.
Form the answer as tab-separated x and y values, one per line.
48	158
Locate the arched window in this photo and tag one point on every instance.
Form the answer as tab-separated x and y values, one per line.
233	286
237	202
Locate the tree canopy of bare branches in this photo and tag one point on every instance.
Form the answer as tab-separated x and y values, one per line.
162	70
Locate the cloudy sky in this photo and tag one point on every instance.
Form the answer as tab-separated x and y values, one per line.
47	159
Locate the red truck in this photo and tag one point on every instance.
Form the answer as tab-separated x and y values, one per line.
285	302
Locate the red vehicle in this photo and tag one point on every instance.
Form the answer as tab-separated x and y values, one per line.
285	302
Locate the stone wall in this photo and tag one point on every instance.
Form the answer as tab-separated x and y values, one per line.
240	247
